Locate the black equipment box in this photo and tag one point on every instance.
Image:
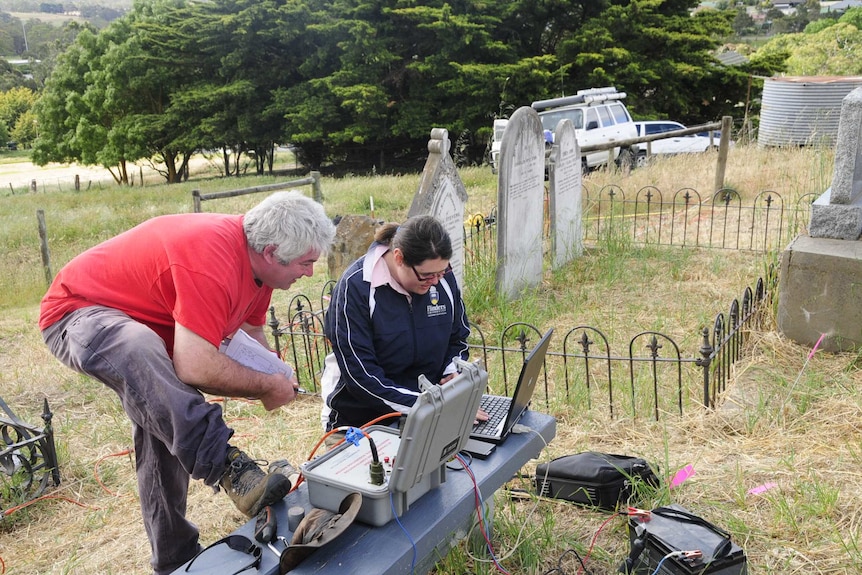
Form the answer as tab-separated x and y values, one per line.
600	480
673	528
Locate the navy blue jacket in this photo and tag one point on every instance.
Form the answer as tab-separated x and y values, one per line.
382	342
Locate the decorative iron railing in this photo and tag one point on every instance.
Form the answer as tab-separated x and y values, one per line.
28	459
581	366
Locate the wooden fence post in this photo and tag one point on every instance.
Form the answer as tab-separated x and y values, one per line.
317	192
43	240
723	145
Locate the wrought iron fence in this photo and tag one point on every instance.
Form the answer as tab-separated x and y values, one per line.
685	218
581	367
28	459
722	220
651	374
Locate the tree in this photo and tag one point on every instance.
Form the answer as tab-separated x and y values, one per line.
108	100
660	56
743	22
836	50
25	130
14	103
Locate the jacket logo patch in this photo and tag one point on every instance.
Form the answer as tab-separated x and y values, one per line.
436	308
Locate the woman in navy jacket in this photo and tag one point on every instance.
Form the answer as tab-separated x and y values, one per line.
395	313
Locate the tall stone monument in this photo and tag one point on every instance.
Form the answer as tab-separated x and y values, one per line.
820	289
520	203
564	201
442	194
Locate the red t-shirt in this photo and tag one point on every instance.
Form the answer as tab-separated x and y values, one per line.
191	269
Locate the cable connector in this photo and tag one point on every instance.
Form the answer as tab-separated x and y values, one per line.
353	435
519	428
692	555
377	473
635	512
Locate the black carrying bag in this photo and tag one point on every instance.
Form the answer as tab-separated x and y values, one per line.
674	529
602	480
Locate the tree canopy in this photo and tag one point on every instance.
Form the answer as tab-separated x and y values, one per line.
363	82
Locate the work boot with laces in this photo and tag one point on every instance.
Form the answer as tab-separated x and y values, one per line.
284	467
248	486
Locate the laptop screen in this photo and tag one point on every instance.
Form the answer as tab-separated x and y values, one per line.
527	381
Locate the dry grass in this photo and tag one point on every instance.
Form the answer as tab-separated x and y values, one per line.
799	428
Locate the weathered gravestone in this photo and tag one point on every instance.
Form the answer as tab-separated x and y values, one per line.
564	202
838	212
353	235
820	292
520	204
442	194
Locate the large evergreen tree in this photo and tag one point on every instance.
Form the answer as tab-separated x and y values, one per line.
363	82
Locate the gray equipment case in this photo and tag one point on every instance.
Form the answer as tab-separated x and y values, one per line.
435	430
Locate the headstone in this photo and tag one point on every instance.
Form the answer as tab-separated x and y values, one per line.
442	194
819	301
837	213
353	235
564	201
520	203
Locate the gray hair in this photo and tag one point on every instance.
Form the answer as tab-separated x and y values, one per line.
292	222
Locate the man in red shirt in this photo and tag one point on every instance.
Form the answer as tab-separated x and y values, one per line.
145	313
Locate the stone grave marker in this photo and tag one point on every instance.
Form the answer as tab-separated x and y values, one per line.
353	235
837	213
564	196
442	194
520	203
819	299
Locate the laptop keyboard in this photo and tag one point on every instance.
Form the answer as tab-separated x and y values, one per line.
497	408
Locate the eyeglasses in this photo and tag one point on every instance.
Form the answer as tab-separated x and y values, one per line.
237	543
431	276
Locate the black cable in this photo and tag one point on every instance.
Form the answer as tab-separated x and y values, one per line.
559	568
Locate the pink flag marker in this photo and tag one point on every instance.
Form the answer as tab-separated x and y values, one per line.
762	488
682	475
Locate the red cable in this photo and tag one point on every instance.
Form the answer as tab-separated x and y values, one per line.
480	515
593	542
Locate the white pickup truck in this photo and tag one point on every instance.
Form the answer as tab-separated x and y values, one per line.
599	117
496	142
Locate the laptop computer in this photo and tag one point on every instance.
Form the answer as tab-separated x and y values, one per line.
505	412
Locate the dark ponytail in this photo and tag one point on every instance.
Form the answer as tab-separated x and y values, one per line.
420	238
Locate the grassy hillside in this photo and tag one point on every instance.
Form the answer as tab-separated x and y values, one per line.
788	421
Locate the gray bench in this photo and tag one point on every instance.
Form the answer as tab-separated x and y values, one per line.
432	520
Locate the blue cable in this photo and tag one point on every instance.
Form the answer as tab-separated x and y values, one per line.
407	533
658	567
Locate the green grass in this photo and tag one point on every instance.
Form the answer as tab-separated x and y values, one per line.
803	436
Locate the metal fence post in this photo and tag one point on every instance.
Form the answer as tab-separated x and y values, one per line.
704	362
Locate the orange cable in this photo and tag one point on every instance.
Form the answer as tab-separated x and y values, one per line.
12	510
336	430
96	469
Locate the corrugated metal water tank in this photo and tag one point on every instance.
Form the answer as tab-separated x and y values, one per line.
803	110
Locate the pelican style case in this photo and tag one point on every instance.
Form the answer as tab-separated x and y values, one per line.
414	460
